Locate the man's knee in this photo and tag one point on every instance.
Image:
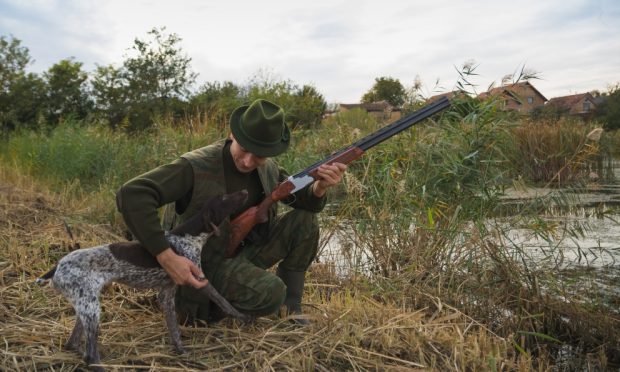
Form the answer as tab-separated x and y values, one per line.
307	220
268	296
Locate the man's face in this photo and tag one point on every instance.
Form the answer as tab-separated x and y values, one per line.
244	160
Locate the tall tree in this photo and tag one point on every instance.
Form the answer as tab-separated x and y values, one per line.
154	80
17	89
110	94
386	89
160	70
13	61
66	91
26	103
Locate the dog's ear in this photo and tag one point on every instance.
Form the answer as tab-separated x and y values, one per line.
208	219
212	213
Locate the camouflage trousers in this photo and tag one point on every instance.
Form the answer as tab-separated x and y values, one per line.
243	280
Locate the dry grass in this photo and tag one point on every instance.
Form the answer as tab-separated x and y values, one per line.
351	330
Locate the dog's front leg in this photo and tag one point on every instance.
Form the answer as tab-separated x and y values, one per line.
73	343
166	300
223	303
90	321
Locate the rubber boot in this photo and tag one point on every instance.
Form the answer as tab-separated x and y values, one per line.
294	281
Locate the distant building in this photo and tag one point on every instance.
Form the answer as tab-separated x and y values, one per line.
521	97
581	105
449	95
382	109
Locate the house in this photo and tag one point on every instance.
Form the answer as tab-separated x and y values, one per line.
449	95
577	105
382	109
521	97
434	98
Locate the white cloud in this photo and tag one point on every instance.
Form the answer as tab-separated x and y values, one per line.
340	46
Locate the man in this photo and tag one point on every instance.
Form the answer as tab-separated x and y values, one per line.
243	161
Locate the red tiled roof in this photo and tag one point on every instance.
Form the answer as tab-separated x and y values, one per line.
566	102
511	89
449	95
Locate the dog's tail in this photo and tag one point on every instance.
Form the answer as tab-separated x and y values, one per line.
47	276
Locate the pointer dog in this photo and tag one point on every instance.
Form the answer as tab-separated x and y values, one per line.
81	275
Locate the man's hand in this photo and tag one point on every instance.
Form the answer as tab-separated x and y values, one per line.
181	270
330	175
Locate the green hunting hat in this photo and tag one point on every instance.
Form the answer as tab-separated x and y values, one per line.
260	128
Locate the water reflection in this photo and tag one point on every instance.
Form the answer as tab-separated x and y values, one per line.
586	220
586	234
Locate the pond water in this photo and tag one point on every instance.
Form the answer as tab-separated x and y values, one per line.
587	234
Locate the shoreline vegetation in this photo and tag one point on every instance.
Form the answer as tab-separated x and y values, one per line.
441	286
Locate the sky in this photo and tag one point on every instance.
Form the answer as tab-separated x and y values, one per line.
339	47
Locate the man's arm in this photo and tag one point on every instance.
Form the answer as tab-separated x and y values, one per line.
138	201
181	270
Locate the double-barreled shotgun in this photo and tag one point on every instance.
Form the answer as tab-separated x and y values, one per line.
243	224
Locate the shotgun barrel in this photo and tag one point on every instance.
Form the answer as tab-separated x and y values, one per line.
243	224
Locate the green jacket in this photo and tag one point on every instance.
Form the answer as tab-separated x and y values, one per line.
185	184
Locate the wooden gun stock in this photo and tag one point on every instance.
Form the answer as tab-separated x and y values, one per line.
241	225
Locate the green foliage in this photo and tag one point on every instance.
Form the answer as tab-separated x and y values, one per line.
24	106
386	89
159	70
111	97
218	100
304	107
608	111
153	82
66	91
97	157
20	93
13	61
308	109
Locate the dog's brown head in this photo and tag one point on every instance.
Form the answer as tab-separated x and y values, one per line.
213	212
219	208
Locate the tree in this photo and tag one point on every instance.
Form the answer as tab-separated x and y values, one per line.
309	108
304	107
13	61
25	103
110	94
609	110
17	89
386	89
159	72
218	100
152	82
66	91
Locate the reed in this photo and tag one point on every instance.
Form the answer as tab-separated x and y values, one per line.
555	152
423	249
351	329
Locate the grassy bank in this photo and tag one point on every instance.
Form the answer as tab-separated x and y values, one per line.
352	328
420	228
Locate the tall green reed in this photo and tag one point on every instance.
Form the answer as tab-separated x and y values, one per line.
417	211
